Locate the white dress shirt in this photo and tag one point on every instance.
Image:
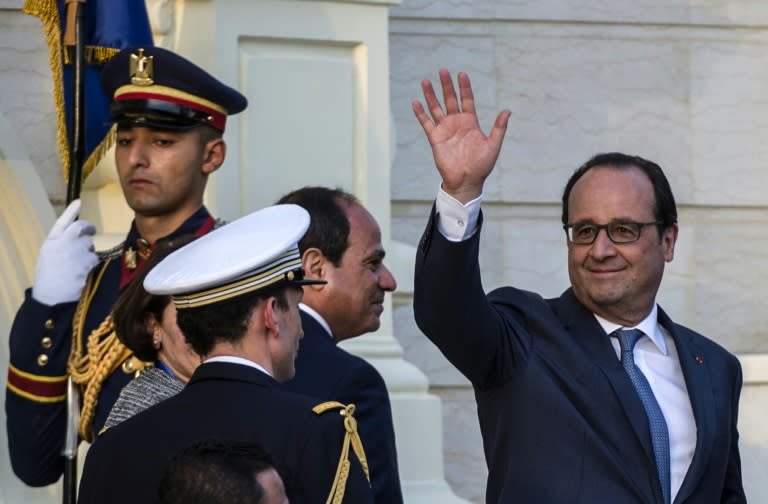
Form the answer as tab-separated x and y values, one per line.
319	318
656	356
655	353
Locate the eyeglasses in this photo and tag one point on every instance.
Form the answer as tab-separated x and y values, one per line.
618	232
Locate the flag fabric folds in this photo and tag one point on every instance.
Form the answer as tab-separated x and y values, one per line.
109	25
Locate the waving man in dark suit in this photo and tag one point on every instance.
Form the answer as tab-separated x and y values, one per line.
597	395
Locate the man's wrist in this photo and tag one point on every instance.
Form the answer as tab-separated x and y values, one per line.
464	194
456	221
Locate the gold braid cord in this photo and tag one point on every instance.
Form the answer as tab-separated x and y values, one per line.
336	496
104	353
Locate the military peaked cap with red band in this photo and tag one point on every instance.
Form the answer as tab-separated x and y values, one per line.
156	88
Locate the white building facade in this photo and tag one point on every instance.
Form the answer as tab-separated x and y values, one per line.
681	82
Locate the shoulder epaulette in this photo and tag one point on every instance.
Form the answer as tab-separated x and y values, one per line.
336	495
110	253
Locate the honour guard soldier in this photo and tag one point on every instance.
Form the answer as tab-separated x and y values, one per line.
170	117
237	292
595	395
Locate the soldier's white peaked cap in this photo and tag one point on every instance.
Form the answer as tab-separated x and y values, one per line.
257	251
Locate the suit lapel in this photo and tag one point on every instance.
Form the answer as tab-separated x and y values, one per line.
589	335
699	384
312	326
315	336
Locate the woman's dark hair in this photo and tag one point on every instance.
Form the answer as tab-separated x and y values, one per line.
135	305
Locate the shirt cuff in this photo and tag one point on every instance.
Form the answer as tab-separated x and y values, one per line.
456	221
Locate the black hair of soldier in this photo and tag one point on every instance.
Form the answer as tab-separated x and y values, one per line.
226	321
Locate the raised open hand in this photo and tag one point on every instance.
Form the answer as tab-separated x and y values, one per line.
464	155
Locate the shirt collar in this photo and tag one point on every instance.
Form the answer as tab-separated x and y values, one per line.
237	360
318	318
199	221
649	325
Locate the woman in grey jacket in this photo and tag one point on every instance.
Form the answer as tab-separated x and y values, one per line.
146	324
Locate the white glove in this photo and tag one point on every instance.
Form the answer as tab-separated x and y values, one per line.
65	259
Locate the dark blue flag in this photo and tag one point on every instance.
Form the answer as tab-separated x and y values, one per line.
109	25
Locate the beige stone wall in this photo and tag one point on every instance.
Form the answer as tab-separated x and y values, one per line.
682	82
26	96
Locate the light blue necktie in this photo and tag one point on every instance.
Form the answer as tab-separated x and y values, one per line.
656	422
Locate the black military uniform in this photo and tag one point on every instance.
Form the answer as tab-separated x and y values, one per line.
315	447
223	401
153	88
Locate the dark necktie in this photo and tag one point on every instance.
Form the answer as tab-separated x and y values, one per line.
656	422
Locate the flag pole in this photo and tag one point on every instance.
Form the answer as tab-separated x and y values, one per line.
73	42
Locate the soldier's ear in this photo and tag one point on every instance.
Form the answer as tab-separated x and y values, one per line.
214	152
270	315
314	263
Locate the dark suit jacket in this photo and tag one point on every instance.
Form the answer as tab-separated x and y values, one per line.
560	419
327	372
225	401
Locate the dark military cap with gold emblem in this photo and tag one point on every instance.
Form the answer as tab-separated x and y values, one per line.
156	88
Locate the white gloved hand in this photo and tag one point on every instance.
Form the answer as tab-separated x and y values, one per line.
65	259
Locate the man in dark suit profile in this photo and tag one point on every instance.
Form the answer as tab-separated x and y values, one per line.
597	395
343	247
236	292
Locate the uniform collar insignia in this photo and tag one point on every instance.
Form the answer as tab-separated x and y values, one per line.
130	258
